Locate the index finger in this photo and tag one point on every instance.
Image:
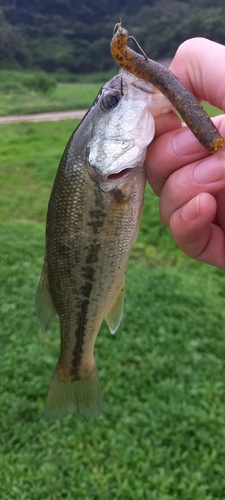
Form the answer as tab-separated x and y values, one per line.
199	64
173	150
194	63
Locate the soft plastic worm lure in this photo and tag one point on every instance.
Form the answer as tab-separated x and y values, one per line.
182	99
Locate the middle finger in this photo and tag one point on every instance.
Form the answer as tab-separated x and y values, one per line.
172	151
206	175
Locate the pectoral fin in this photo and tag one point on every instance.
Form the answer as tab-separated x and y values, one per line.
44	306
115	314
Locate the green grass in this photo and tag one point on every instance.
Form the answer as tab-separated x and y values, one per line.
161	435
22	93
65	97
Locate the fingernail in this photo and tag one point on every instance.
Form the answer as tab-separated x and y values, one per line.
212	169
184	143
190	211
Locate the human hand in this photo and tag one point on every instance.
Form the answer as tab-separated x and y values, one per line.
188	179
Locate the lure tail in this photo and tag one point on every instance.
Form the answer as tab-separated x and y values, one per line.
79	396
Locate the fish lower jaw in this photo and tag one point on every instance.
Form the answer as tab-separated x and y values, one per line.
109	181
119	175
116	179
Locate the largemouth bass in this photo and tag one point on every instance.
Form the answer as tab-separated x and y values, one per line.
92	222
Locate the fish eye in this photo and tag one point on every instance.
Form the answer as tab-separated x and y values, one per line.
110	100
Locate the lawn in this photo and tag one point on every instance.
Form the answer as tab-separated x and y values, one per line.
161	435
22	93
64	97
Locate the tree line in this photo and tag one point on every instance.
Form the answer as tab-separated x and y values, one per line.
74	35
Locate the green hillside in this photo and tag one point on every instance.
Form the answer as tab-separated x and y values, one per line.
73	35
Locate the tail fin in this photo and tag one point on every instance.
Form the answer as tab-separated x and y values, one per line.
78	396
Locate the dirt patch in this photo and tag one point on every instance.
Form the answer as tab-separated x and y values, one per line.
42	117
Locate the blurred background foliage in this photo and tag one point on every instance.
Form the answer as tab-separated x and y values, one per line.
74	35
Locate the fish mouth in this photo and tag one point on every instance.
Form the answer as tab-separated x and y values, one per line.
119	175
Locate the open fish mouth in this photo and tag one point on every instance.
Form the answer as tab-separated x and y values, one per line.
119	175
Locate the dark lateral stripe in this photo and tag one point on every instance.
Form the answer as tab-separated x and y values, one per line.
96	220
